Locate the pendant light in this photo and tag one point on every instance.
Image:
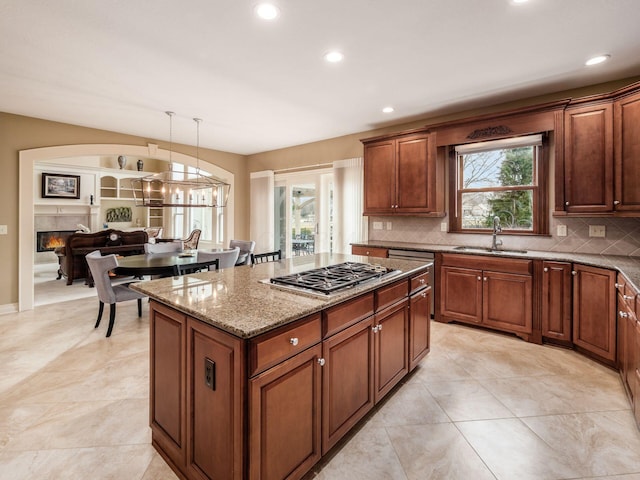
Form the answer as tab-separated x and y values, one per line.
173	188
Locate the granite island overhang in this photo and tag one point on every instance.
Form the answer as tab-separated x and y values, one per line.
238	301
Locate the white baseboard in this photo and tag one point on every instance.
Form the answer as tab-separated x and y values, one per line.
8	308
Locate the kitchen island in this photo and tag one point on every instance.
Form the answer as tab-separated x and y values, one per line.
252	381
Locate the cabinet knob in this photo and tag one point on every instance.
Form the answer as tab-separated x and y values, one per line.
424	294
321	362
367	252
616	202
422	281
293	341
574	273
566	203
627	297
479	278
622	314
545	269
374	329
379	327
485	279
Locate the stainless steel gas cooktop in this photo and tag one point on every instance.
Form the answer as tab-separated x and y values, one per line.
333	278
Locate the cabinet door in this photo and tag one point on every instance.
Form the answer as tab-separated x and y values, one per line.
414	175
379	177
461	294
627	153
370	251
168	382
216	375
556	301
507	301
594	311
588	159
391	348
419	326
347	380
284	418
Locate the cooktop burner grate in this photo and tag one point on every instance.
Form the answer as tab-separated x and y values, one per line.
333	277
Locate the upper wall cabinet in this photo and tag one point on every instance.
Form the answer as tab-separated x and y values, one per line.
597	167
402	176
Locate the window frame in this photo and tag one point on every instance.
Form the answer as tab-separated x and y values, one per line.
540	220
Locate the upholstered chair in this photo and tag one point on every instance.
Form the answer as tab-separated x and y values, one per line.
191	242
164	247
108	293
226	258
246	249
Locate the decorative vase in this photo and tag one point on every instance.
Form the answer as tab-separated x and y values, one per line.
122	161
140	164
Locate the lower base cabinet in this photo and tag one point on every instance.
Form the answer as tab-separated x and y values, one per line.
268	408
284	410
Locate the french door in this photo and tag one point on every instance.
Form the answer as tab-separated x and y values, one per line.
303	212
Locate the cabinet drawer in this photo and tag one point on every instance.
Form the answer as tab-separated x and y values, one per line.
481	262
341	316
391	294
369	251
419	281
270	349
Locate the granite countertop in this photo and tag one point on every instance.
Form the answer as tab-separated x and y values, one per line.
236	301
628	266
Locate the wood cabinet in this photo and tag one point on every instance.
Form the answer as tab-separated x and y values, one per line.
588	158
347	380
196	406
556	302
370	251
594	311
284	418
269	407
626	129
419	319
598	166
401	176
628	339
495	292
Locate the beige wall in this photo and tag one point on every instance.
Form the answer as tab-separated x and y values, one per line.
23	133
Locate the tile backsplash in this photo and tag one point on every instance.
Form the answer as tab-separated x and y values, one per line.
622	235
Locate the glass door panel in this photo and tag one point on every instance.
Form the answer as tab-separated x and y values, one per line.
303	218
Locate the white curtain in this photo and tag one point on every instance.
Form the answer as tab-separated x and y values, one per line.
348	195
262	210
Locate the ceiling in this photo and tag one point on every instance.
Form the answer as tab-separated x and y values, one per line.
119	64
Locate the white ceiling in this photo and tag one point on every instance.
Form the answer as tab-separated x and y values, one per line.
119	64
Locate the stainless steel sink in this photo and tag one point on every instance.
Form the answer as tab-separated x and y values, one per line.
464	248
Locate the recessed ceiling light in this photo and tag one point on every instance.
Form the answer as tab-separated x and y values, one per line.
597	59
267	11
387	110
519	2
334	57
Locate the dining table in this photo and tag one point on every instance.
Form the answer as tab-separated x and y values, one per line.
161	264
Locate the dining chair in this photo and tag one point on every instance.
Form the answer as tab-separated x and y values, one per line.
209	264
266	257
246	249
191	242
226	258
164	247
107	292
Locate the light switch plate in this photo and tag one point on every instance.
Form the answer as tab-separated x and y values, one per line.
443	226
597	231
388	225
377	225
561	230
3	229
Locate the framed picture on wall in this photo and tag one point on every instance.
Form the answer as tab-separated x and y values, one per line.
58	185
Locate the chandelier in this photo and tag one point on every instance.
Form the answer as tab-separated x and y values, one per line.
176	188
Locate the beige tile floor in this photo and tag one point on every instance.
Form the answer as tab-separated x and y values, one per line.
73	405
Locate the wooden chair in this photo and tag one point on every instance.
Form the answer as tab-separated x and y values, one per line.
198	267
108	293
266	257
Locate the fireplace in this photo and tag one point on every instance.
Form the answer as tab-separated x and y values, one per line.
47	241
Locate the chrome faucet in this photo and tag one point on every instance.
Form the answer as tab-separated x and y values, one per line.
496	230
